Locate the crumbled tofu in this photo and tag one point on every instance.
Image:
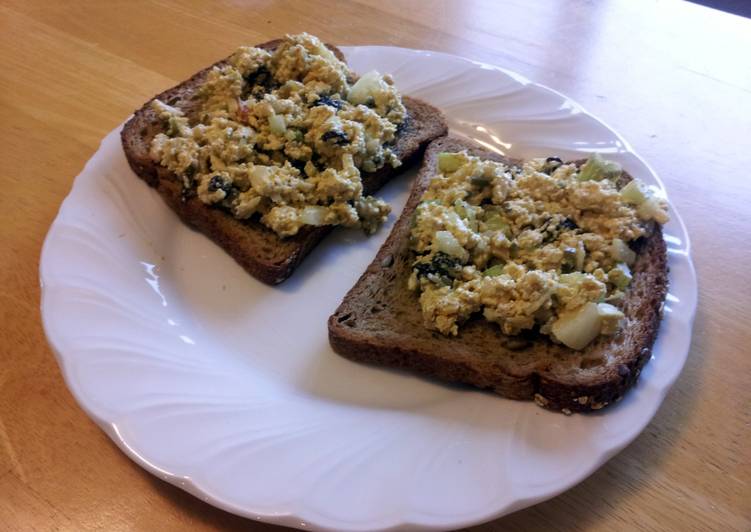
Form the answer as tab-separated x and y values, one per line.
279	132
522	246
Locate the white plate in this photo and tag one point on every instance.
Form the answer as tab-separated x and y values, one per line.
228	388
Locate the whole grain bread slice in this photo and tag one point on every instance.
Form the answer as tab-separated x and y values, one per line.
255	247
380	322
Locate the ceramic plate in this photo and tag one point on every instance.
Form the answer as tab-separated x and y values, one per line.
228	388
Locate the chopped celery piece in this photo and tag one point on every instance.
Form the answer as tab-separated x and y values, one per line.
461	208
620	276
313	215
448	244
606	310
577	328
277	125
634	193
652	209
364	87
293	134
497	223
598	168
610	318
467	213
259	176
620	251
572	278
449	162
493	271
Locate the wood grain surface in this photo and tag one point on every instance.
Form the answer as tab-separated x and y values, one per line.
674	78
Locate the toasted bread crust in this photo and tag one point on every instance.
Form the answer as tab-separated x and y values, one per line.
380	322
255	247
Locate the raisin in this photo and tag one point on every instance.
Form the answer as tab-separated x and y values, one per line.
568	223
551	163
299	165
401	127
259	77
318	162
190	171
442	265
217	183
336	137
327	100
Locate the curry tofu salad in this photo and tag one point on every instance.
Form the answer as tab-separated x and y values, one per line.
542	245
284	135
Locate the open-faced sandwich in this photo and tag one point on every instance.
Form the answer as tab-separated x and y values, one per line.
538	280
267	150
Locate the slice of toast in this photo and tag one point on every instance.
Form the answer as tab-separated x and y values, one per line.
380	322
255	247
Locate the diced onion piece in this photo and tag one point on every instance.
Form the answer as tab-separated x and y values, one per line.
364	88
447	243
621	252
277	125
577	328
313	215
634	192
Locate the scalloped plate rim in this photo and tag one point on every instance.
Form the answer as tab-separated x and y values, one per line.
289	518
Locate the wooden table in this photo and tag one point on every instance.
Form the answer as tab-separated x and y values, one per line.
672	77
